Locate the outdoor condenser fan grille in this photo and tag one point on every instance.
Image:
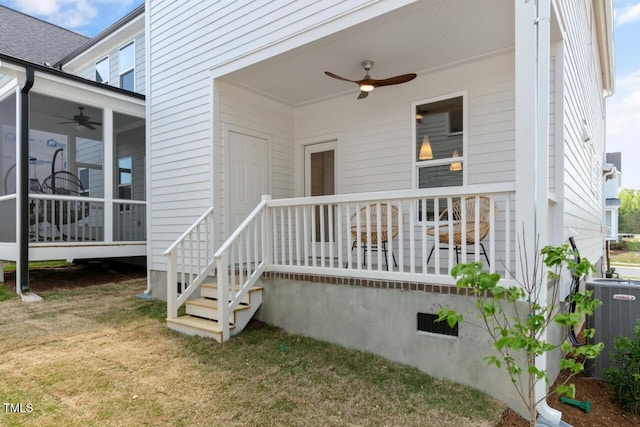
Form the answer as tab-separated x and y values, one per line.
616	316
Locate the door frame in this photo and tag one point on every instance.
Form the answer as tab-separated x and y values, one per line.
227	129
319	147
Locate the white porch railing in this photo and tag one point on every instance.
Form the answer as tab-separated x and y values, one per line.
189	261
319	235
65	218
241	260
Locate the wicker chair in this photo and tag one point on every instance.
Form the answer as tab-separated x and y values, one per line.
484	206
373	221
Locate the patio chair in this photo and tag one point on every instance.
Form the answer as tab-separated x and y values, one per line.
373	221
484	206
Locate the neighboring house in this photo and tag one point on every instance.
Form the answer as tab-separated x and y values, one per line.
612	174
238	106
72	148
115	57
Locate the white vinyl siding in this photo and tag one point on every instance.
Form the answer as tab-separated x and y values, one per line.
582	92
180	108
255	113
375	145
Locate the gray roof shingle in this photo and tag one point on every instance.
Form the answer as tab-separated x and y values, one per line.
31	39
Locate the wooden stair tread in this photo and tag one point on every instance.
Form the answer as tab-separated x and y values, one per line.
199	323
215	286
212	303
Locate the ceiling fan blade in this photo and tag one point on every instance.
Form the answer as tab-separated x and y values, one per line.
89	126
394	80
65	123
335	76
95	123
363	94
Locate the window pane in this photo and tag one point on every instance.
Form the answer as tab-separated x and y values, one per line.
102	71
438	176
126	81
439	129
125	60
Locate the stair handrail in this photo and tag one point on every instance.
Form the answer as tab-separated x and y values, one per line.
224	266
202	271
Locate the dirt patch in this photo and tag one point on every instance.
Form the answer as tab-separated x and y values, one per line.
79	275
604	411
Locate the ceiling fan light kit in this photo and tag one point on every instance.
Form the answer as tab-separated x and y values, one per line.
367	84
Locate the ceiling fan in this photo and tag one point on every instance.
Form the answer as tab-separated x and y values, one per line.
367	84
82	120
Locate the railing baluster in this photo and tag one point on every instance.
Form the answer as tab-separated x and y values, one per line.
283	254
400	238
358	237
290	237
274	233
322	230
339	234
368	228
492	233
507	238
423	234
313	235
331	212
298	242
412	237
379	234
350	241
305	237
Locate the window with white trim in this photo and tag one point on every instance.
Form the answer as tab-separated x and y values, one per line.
102	71
126	66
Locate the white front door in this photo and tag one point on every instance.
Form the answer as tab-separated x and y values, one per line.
248	175
320	180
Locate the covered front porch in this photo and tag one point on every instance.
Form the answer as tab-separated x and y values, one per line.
72	169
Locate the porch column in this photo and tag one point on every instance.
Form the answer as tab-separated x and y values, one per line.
532	52
108	171
22	187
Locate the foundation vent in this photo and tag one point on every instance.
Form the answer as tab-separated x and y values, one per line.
428	323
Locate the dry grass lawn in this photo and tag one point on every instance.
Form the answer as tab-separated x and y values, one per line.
98	356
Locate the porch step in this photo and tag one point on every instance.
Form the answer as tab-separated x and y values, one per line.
192	325
210	290
208	308
202	317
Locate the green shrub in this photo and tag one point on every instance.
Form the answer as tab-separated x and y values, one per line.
624	375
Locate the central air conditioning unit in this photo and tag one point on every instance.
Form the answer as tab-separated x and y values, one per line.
618	315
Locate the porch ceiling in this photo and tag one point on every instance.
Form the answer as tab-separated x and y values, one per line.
416	38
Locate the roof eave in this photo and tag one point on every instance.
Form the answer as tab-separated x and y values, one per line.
103	35
67	76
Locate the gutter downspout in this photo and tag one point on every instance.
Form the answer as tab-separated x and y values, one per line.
23	196
541	129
